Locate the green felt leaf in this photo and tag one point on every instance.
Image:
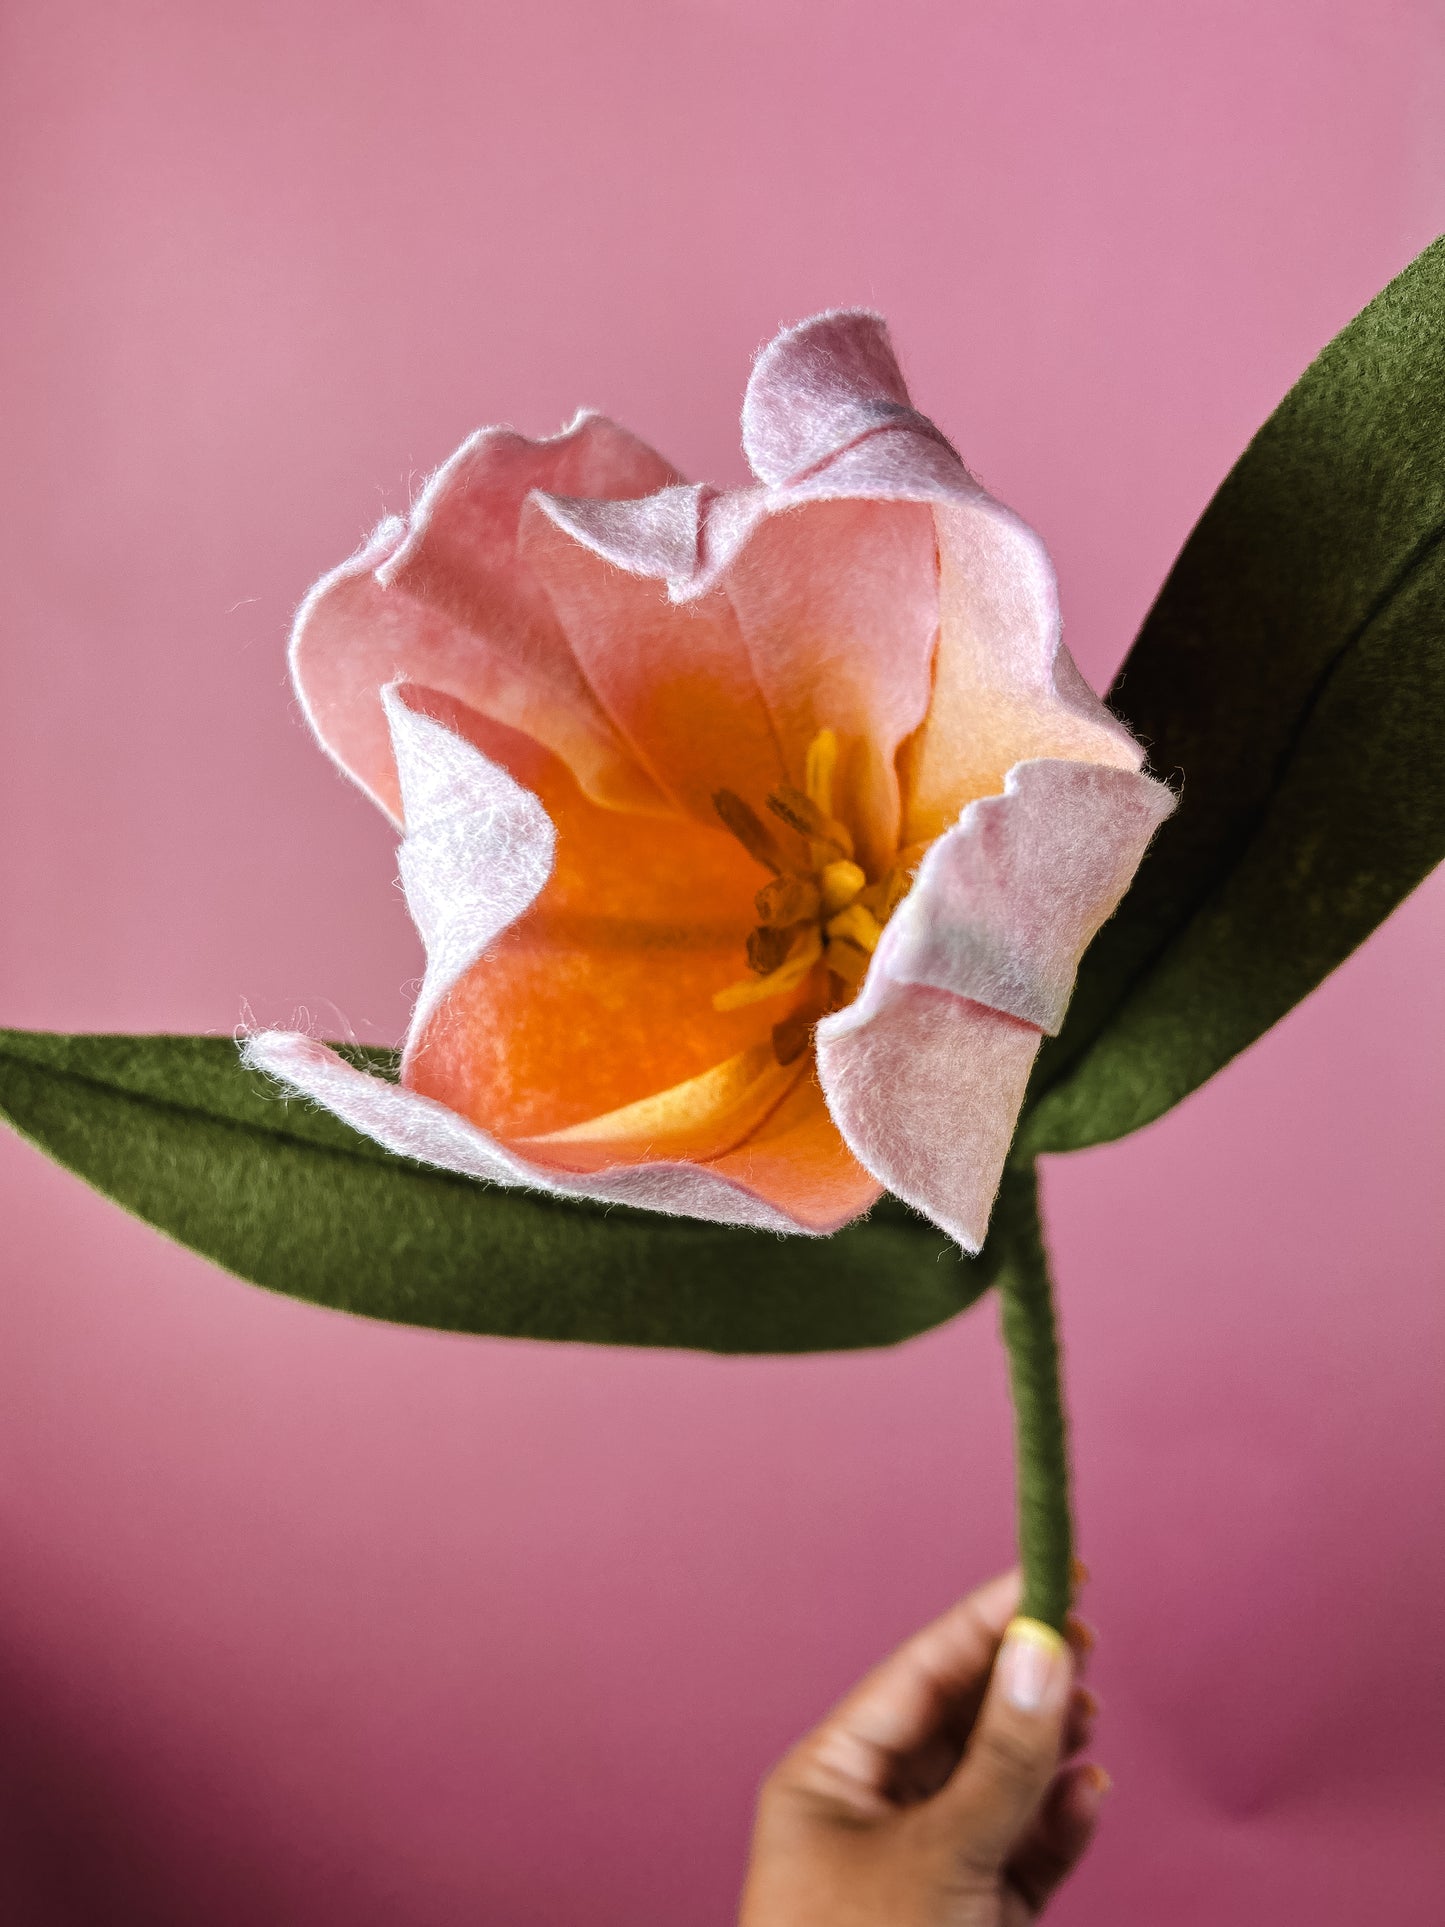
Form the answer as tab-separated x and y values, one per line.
178	1131
1293	672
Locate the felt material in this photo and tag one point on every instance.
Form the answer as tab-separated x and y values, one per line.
1026	1309
177	1131
478	851
977	962
693	716
1293	668
444	600
1356	818
569	1035
1006	903
926	1085
609	954
1004	687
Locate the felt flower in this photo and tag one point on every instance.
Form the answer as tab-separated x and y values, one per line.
754	836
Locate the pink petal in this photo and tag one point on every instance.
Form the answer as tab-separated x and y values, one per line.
445	600
676	681
478	851
925	1092
656	535
925	1071
819	386
1006	903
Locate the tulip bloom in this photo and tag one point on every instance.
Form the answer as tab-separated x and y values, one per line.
754	836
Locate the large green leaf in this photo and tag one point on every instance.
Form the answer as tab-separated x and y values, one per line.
179	1132
1292	672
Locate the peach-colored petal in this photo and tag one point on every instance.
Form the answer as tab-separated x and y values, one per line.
699	1119
798	1160
838	604
479	848
676	681
1004	687
444	600
926	1091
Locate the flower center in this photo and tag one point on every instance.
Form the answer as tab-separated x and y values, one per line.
821	914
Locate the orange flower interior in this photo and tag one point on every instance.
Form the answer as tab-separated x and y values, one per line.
820	916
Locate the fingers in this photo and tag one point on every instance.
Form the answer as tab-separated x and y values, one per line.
996	1794
1082	1718
856	1755
1057	1841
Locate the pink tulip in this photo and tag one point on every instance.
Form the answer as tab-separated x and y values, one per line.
754	836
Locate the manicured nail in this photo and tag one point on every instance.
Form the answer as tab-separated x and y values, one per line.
1033	1657
1086	1702
1081	1572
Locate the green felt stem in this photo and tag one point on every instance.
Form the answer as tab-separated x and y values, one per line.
1045	1522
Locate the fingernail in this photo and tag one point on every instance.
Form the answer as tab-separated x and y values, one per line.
1081	1633
1081	1572
1087	1703
1032	1659
1096	1784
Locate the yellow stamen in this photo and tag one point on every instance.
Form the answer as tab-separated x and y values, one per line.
847	961
818	768
841	882
856	925
884	897
752	990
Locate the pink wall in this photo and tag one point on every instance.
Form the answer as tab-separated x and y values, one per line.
312	1621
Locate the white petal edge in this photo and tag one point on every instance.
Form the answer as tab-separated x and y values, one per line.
418	1127
925	1071
1006	902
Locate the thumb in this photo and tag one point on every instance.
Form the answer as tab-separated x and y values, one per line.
1013	1753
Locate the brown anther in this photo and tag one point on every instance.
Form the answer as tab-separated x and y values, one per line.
787	899
769	947
802	814
749	829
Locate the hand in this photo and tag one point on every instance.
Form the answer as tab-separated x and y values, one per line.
934	1795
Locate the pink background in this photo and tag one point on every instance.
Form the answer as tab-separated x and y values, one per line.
307	1620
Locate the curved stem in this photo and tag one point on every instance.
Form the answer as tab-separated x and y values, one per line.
1046	1529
